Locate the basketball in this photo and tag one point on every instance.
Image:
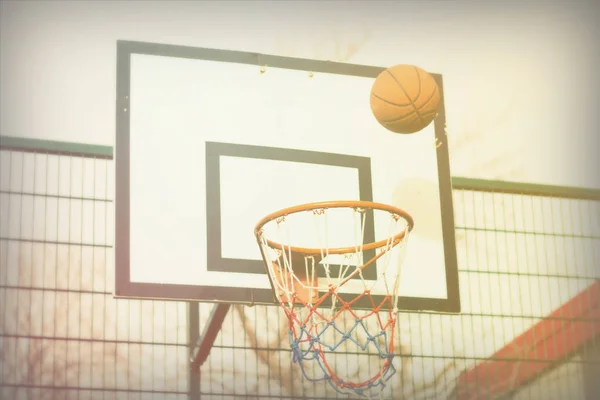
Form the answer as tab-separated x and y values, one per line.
405	99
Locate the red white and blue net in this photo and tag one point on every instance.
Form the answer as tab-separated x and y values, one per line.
337	300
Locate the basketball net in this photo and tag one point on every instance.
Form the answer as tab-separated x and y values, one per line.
318	285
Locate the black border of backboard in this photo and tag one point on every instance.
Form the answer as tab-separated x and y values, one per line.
123	285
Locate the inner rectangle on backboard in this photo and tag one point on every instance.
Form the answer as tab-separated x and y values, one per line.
245	183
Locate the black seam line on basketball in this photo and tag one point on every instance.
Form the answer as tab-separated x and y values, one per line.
391	103
410	113
402	117
398	119
419	85
435	91
406	94
407	104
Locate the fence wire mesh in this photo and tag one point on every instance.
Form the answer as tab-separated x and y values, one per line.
529	281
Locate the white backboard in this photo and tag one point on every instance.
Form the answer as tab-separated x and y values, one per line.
210	141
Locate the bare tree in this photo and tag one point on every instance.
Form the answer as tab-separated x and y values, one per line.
45	365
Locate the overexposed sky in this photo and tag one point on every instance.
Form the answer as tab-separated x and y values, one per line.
519	79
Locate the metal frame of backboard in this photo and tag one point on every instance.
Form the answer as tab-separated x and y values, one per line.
124	287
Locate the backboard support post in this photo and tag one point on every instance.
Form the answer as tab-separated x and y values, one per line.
591	369
204	343
193	318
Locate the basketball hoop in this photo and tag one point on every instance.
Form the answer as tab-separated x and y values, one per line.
309	279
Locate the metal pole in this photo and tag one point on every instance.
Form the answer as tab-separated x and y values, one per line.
591	369
193	334
204	343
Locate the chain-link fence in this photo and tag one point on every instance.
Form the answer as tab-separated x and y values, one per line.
529	280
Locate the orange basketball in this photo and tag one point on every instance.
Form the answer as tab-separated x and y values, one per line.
405	99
